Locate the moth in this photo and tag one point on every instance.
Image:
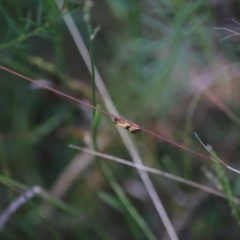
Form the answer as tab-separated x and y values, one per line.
130	126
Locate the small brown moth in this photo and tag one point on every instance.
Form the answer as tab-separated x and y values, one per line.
130	126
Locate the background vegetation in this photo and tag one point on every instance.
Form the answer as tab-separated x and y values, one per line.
166	69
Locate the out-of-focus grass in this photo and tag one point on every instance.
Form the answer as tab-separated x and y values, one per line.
151	54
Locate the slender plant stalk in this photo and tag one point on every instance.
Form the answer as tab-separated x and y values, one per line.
156	171
126	203
106	170
109	114
224	180
187	133
94	127
228	191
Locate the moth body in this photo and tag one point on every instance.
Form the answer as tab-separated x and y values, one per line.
130	126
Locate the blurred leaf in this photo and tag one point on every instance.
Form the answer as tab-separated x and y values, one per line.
46	127
111	201
236	187
97	119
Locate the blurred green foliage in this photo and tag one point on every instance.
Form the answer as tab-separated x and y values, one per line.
154	56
